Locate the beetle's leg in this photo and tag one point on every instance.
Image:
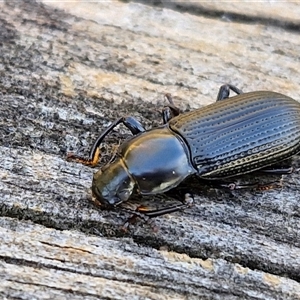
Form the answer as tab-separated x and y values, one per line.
278	171
270	185
132	124
224	91
255	185
144	213
169	111
232	185
186	203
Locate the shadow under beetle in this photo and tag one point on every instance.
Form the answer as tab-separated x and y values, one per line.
234	136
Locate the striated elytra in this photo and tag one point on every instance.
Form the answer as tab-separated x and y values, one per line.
231	137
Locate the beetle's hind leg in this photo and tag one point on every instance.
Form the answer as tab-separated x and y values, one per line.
224	91
132	124
278	170
255	185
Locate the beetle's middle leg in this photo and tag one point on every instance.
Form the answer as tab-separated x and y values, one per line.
224	91
145	213
131	123
186	203
170	111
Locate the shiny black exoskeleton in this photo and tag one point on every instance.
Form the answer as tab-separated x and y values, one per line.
234	136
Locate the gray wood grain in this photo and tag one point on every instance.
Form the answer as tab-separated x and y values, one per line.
41	260
67	70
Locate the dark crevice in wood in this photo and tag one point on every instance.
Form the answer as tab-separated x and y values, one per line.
227	16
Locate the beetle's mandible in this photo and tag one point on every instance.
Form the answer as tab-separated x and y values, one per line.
233	136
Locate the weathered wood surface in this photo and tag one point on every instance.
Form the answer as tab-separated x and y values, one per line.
67	70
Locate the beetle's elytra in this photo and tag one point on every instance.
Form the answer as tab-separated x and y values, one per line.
234	136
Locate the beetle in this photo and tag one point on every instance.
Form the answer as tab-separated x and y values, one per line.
233	136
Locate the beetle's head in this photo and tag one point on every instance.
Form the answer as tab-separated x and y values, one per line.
112	184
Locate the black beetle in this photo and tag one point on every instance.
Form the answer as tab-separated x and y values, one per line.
234	136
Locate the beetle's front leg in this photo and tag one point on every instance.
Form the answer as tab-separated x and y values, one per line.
132	124
224	91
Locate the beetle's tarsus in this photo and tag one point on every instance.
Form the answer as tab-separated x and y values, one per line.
270	185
